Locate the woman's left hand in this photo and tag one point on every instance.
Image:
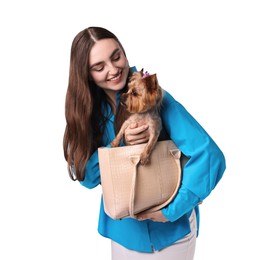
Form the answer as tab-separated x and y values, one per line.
135	134
156	216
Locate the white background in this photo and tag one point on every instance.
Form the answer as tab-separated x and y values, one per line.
211	55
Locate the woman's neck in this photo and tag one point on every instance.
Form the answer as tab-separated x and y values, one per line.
111	96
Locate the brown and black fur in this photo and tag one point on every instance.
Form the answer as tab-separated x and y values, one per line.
141	104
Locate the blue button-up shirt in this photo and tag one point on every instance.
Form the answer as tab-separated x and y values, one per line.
201	174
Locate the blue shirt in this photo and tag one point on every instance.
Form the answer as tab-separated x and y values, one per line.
201	174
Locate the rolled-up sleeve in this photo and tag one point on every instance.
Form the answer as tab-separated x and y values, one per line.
206	163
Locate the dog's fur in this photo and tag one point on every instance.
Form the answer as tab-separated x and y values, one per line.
141	104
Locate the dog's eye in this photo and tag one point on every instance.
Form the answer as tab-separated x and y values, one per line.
134	94
131	80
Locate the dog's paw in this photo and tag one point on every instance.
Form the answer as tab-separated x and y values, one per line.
144	159
114	143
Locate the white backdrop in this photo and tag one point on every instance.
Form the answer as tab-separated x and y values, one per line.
211	55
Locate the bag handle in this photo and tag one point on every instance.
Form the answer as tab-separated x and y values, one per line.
135	159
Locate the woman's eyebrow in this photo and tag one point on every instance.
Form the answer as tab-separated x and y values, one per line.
100	62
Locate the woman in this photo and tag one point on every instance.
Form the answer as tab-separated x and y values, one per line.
99	72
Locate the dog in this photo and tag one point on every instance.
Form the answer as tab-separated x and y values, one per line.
141	104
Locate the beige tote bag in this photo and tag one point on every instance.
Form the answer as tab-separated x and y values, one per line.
130	188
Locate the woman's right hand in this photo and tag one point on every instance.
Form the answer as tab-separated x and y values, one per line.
135	134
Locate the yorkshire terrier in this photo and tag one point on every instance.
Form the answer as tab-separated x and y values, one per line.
141	104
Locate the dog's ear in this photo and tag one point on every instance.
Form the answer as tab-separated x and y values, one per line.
151	82
141	72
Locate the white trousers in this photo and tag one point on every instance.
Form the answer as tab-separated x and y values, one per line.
182	249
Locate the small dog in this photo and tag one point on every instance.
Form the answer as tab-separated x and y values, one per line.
141	104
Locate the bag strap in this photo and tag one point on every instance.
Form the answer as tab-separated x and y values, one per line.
135	159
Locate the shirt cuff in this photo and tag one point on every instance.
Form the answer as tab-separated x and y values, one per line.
184	201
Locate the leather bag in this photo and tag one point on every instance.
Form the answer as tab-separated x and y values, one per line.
130	188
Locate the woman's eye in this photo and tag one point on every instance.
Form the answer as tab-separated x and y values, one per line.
116	58
98	68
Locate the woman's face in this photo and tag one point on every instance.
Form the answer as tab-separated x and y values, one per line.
109	67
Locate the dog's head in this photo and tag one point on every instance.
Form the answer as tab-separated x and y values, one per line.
144	93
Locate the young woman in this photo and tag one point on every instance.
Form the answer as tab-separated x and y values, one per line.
99	72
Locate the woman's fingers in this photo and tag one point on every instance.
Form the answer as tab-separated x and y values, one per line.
136	141
156	216
136	135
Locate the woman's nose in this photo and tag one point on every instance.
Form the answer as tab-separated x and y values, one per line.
113	70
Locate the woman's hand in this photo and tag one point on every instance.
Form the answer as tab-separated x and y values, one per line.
156	216
135	134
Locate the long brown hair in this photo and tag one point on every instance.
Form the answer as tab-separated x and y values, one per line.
84	119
